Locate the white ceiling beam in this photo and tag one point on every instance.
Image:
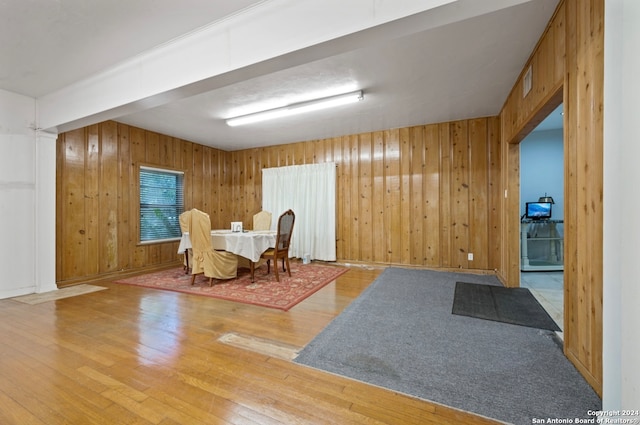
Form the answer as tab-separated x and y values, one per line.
271	36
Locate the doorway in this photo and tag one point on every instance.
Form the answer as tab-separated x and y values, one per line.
542	182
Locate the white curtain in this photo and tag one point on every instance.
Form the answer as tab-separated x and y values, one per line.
310	191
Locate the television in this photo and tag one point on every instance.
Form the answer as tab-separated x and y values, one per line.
538	210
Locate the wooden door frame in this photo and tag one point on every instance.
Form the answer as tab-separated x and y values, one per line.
513	181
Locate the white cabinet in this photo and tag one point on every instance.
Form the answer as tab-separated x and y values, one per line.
542	245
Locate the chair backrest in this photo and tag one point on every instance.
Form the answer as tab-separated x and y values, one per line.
285	229
200	231
262	220
185	221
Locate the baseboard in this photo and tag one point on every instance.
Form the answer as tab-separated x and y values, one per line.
363	264
117	275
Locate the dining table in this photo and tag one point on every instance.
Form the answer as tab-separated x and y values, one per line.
249	244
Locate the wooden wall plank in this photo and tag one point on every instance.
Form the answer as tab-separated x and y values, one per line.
237	179
496	194
343	207
404	145
353	236
445	195
559	47
107	214
138	145
126	179
92	194
251	188
416	198
198	175
225	188
378	226
393	213
430	196
206	203
152	150
300	154
167	156
365	197
217	208
186	165
459	192
479	194
153	156
258	161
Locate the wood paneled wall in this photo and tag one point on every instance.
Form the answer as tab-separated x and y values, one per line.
567	67
423	196
97	210
584	185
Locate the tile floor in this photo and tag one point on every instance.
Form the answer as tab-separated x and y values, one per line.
548	288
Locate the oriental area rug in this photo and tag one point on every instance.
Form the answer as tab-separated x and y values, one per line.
265	291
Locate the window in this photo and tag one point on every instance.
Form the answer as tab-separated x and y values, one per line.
161	203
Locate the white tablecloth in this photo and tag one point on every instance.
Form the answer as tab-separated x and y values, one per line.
246	244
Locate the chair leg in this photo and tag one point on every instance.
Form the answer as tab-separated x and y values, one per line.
275	268
210	281
268	266
193	279
288	266
284	269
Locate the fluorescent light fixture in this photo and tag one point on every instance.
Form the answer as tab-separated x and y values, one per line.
297	108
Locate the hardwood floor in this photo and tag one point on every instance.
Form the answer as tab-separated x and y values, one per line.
131	355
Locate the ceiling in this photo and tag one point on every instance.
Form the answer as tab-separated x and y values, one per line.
49	44
460	70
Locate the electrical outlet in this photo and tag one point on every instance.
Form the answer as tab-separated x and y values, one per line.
470	256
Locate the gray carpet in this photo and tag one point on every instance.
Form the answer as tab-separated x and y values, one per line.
400	334
517	306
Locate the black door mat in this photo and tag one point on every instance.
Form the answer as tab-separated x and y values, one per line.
516	306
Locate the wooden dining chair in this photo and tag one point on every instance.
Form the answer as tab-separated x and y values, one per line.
212	263
283	240
262	220
185	222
